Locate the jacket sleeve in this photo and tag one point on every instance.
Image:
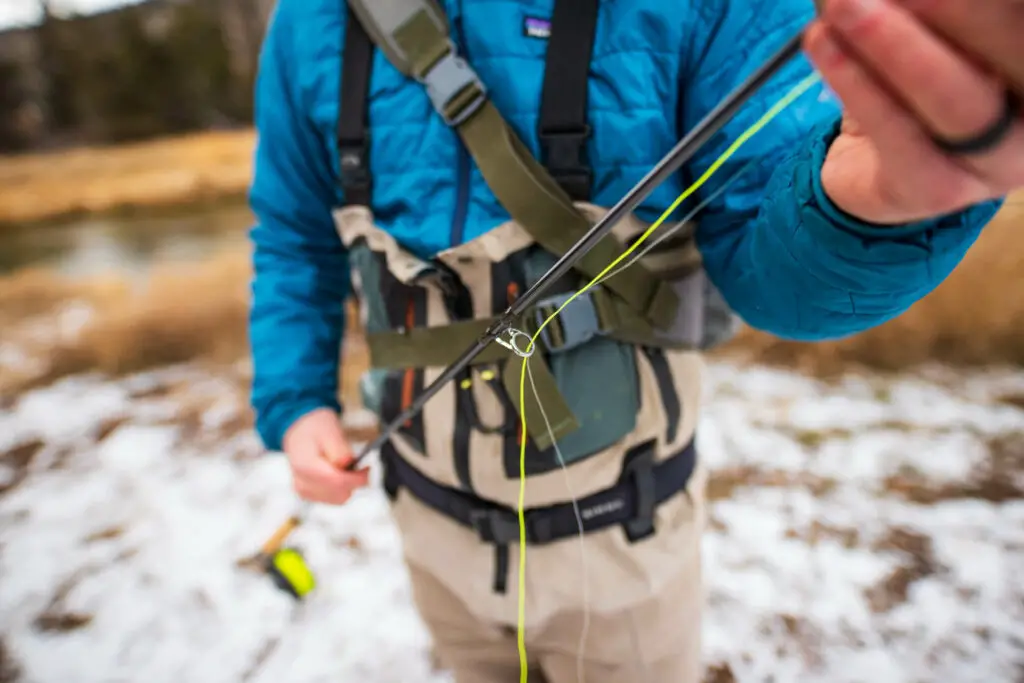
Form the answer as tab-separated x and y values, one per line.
783	256
300	268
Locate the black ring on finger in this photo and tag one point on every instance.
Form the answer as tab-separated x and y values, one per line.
988	139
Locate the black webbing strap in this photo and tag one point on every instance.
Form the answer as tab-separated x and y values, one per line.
631	503
562	129
353	139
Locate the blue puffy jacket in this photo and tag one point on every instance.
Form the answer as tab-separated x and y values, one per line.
782	256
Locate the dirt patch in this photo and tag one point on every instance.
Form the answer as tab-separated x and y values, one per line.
107	534
719	673
56	618
18	459
1015	400
1000	478
262	656
917	562
10	670
847	537
61	622
804	636
108	427
723	483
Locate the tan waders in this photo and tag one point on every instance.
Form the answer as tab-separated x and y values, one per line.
614	382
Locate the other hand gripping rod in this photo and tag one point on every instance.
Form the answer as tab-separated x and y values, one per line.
683	152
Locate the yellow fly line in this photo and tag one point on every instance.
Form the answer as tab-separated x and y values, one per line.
790	97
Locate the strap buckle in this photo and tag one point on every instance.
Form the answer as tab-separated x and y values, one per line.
639	469
448	78
355	176
577	324
494	526
563	152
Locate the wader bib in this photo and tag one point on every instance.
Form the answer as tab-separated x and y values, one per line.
617	373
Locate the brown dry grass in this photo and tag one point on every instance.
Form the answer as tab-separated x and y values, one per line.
183	314
160	173
200	312
191	313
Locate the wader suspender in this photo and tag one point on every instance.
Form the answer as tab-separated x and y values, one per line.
353	144
562	130
563	133
413	34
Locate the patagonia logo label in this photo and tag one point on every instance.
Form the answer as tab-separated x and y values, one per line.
535	27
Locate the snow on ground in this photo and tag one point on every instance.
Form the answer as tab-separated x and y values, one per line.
871	530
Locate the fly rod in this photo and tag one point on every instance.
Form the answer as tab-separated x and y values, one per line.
683	152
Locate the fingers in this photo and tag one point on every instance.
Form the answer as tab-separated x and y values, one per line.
903	146
317	480
890	64
990	29
950	95
319	454
335	446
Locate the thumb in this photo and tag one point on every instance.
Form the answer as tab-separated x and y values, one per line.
334	445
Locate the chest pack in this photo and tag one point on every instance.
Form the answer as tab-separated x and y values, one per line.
613	373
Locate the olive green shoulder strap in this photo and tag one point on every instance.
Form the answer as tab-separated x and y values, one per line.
413	34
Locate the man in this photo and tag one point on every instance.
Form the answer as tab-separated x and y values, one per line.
839	223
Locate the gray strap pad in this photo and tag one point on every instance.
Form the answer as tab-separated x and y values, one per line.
384	19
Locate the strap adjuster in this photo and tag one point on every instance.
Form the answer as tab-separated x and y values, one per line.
494	526
446	80
639	470
563	152
577	324
355	176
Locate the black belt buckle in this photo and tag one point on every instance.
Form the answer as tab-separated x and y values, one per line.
639	470
494	526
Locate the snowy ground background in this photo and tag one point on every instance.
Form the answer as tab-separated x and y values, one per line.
868	530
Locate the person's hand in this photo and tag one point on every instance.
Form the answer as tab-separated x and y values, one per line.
902	72
318	453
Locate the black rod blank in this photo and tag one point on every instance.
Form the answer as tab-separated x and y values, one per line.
683	152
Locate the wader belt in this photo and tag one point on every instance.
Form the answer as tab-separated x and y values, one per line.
413	34
643	486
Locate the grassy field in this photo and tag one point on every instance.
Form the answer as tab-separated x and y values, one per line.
162	173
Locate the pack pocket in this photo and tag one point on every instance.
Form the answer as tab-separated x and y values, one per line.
598	380
386	393
385	303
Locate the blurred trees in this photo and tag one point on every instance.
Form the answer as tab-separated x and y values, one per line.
11	97
164	66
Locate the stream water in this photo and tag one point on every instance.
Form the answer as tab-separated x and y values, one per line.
125	244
